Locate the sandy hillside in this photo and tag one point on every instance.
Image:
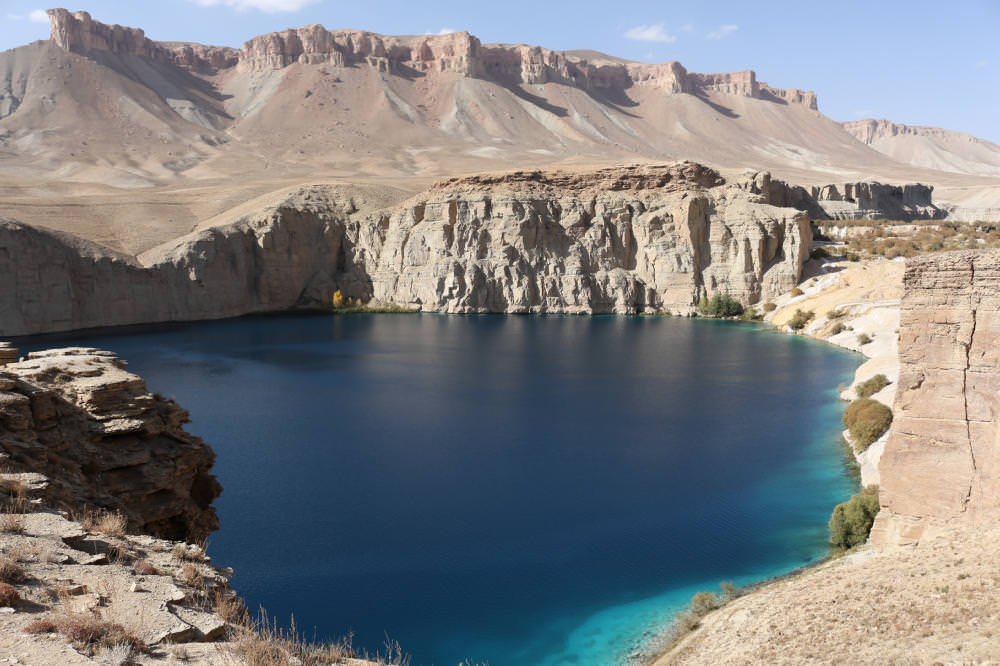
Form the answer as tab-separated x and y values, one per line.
130	142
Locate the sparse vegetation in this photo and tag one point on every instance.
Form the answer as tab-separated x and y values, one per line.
11	523
770	307
751	314
863	339
838	328
796	292
348	305
852	520
895	238
144	568
819	253
720	305
8	595
11	572
866	420
41	627
800	319
111	524
90	631
836	313
870	387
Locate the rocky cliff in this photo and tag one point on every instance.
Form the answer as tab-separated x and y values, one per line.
459	53
872	201
626	240
105	442
616	240
941	464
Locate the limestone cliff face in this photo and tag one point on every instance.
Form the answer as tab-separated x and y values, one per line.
459	53
78	32
622	240
871	200
276	260
941	465
617	240
103	440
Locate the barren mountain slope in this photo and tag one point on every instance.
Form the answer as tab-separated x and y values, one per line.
930	147
128	141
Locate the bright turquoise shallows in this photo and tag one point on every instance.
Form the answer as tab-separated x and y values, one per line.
510	490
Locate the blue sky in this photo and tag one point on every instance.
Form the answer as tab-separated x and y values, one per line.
917	62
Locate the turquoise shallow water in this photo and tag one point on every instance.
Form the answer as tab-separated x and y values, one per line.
511	490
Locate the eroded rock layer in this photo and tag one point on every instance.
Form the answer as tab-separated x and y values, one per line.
105	442
626	240
457	52
941	464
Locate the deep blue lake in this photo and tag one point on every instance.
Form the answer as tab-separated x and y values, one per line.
513	490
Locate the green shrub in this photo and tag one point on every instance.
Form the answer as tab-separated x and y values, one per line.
751	314
838	328
796	292
720	305
770	307
819	253
867	420
870	387
863	339
836	313
853	256
800	319
852	520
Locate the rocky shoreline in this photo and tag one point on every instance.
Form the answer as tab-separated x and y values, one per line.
927	561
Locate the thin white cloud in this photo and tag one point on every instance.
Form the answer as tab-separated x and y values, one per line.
443	31
38	16
687	27
269	6
723	31
650	33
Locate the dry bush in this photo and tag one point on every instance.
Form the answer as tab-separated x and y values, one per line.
121	553
190	575
8	595
92	631
41	627
112	524
116	655
145	568
263	643
231	608
11	523
183	551
11	572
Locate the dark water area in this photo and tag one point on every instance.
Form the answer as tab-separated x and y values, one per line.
512	490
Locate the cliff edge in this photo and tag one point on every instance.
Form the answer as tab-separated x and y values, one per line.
941	464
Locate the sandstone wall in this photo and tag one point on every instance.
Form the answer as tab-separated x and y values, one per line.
871	200
941	465
103	440
459	52
625	240
617	240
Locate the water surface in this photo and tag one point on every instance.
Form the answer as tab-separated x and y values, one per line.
517	490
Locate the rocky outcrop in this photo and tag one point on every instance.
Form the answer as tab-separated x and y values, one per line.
79	33
941	464
873	201
104	441
617	240
459	53
626	240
